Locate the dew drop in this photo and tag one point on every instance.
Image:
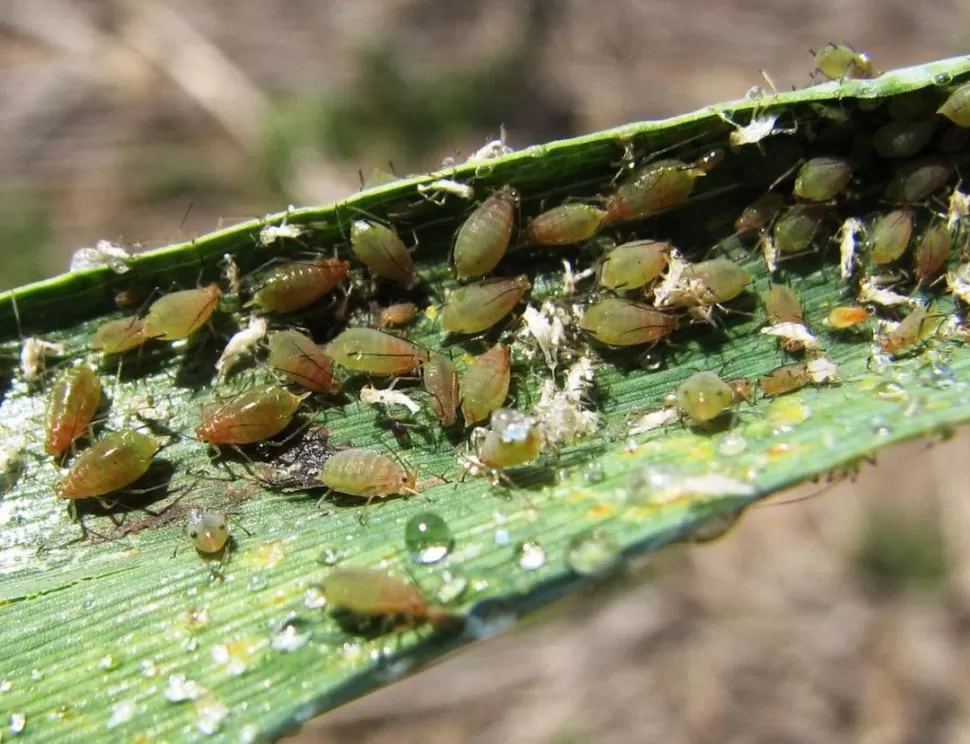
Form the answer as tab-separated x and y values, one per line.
428	537
248	734
106	662
531	555
453	586
290	638
890	391
502	537
328	557
936	375
257	582
731	445
6	685
592	554
594	473
314	598
148	668
121	713
178	689
209	715
18	722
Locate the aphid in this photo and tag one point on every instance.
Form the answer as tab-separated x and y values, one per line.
478	307
398	314
618	322
299	284
742	389
483	238
722	280
634	265
760	213
179	314
383	252
914	328
435	191
513	439
709	161
956	107
840	61
242	342
785	379
650	189
823	178
254	415
915	180
208	531
845	317
365	591
375	352
33	354
485	384
119	336
872	290
933	252
782	305
890	236
795	229
704	396
441	381
367	474
269	234
566	224
112	463
75	398
760	127
903	139
303	362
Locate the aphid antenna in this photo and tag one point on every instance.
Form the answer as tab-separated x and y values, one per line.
185	215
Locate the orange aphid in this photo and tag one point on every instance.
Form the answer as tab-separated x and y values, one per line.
74	400
398	314
297	285
485	384
179	314
303	361
847	316
119	336
111	464
367	474
366	591
252	416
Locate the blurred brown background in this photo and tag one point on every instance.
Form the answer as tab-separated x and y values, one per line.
839	619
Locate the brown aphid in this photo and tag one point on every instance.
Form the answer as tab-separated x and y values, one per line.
398	314
367	474
119	336
742	390
823	178
839	61
303	362
956	107
785	379
759	214
845	317
485	384
112	463
914	328
375	352
652	188
477	307
513	439
365	591
782	305
566	224
75	398
918	179
723	280
618	322
441	381
294	286
383	252
933	252
635	264
178	315
254	415
890	236
796	227
903	139
483	239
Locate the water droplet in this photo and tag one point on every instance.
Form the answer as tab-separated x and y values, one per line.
592	554
428	537
328	557
890	391
148	668
652	361
106	662
453	586
121	713
942	78
936	375
731	445
234	656
18	722
197	617
257	582
6	685
209	715
179	689
314	598
531	556
595	473
36	675
248	734
290	638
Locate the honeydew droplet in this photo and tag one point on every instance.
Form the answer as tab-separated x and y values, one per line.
531	556
428	538
592	553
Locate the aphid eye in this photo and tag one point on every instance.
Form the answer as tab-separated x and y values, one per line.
193	534
222	528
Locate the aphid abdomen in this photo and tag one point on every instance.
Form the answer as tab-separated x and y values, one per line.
956	107
822	179
484	237
112	463
617	322
933	252
383	252
838	61
119	336
208	531
399	314
652	188
303	362
441	382
704	396
485	384
253	416
890	236
178	315
297	285
566	224
365	473
369	592
375	352
514	439
478	307
916	327
760	212
634	265
915	180
784	379
723	279
841	318
903	139
782	305
75	398
796	227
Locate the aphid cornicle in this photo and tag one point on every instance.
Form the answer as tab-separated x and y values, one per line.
823	178
890	236
842	318
477	307
398	314
915	180
785	379
74	400
375	352
796	227
956	107
485	384
484	237
634	265
383	252
723	280
933	252
618	322
782	305
178	315
303	362
297	285
838	61
704	396
513	439
566	224
903	139
367	474
918	326
208	531
365	591
119	336
759	214
254	415
650	189
112	463
441	381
